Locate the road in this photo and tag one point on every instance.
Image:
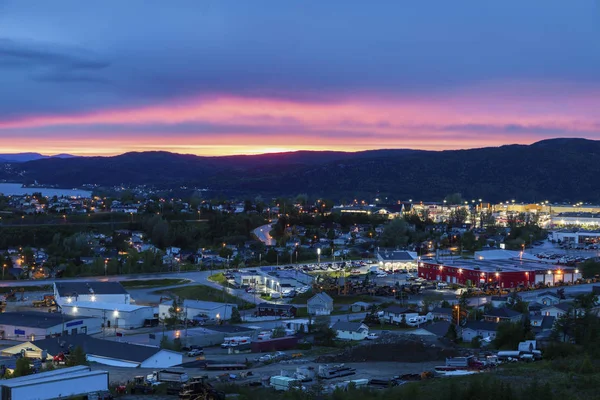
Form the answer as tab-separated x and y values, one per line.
262	233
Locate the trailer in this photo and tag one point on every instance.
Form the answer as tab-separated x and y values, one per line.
284	383
65	383
224	367
335	371
469	362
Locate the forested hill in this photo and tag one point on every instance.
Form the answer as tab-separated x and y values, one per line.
555	169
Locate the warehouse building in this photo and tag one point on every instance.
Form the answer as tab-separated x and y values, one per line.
106	352
101	292
503	273
25	326
195	308
112	315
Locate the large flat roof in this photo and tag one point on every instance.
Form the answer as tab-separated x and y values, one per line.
508	265
106	306
33	319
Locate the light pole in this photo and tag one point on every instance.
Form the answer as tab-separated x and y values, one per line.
319	257
106	267
457	317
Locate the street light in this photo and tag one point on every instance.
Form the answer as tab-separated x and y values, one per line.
319	257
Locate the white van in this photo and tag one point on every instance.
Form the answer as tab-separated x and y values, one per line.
235	341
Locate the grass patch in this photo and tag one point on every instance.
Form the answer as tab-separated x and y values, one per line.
206	293
219	278
8	289
153	283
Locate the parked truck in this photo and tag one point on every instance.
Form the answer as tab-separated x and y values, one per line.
174	380
334	371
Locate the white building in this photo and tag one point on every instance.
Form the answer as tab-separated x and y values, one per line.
101	292
27	325
351	330
113	315
193	308
108	352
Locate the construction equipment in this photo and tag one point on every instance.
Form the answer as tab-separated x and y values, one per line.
140	385
60	359
198	388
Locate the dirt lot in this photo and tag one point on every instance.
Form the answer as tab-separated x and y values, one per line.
393	348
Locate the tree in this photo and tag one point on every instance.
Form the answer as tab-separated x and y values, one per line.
452	334
77	357
278	332
236	318
476	342
395	233
430	301
590	268
509	335
22	368
175	314
458	216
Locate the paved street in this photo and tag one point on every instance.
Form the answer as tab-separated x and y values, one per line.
262	233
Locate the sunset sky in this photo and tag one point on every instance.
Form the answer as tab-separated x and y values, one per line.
213	77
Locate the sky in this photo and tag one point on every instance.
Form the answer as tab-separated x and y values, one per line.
215	77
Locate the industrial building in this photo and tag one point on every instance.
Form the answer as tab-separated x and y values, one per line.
112	315
391	260
575	236
106	352
503	273
26	326
72	382
271	279
197	308
101	292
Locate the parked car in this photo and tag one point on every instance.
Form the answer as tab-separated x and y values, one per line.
372	336
195	353
265	358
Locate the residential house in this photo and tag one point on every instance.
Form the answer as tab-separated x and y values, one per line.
483	329
541	323
440	313
438	329
351	330
360	306
398	315
320	304
557	310
502	315
548	298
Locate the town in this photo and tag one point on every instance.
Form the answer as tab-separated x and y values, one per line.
131	293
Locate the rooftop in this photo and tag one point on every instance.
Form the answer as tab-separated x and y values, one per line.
438	328
98	347
347	326
482	326
493	266
397	256
97	305
33	319
501	313
75	288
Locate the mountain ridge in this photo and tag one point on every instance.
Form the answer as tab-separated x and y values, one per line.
561	169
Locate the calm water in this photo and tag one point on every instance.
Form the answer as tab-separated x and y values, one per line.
15	189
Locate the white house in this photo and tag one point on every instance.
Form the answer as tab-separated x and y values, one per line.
548	298
398	315
556	310
483	329
320	304
101	292
351	330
